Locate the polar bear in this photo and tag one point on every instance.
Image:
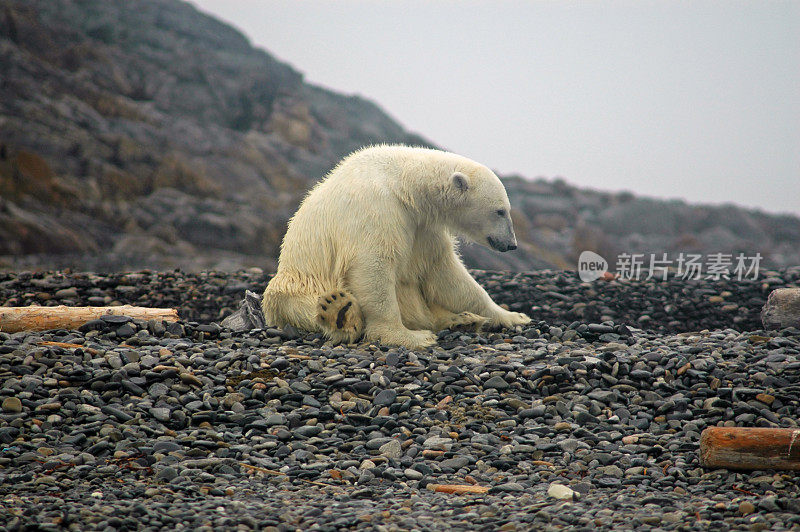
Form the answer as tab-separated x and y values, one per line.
371	250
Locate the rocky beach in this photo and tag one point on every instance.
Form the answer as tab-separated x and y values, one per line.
588	418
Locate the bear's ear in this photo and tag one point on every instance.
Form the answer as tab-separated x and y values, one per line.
460	181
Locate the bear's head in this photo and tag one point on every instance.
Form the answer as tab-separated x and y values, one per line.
481	211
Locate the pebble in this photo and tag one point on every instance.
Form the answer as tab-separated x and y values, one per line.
167	474
765	398
412	474
746	508
161	414
560	491
391	449
497	383
455	463
66	293
385	397
12	405
569	445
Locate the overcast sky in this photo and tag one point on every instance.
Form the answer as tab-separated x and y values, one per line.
697	100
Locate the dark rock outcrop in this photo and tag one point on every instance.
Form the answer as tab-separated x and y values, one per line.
141	134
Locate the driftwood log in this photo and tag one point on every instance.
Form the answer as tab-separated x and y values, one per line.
35	318
458	489
750	448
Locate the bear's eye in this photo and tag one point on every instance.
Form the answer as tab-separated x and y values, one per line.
500	212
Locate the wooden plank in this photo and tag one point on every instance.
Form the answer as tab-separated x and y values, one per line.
458	489
750	448
36	318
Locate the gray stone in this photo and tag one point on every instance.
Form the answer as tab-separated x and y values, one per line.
125	330
533	412
412	474
117	413
166	447
391	449
275	419
585	418
385	397
161	414
782	309
66	293
437	442
560	491
509	487
570	445
158	389
496	382
455	463
308	431
376	443
606	396
167	474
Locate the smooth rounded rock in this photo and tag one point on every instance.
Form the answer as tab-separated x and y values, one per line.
12	405
560	491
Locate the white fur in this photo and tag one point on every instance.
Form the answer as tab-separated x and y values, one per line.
381	228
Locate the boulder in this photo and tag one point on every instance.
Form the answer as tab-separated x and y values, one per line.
782	309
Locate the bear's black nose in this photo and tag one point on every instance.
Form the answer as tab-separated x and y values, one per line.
501	246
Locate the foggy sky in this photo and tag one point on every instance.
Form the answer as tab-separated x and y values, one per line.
697	100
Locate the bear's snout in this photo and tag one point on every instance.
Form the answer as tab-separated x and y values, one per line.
501	245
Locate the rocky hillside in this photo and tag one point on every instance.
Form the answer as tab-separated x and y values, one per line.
148	135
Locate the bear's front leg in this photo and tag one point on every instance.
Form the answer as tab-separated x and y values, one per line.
406	338
463	321
505	319
373	283
451	286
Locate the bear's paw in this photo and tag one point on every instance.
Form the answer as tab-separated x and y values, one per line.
339	315
411	339
463	321
508	320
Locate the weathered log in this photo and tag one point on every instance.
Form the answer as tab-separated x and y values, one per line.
249	316
457	488
750	448
35	318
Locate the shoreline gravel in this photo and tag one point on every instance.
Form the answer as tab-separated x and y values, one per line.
143	425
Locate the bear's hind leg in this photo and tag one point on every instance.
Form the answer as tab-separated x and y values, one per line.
373	281
282	308
339	315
